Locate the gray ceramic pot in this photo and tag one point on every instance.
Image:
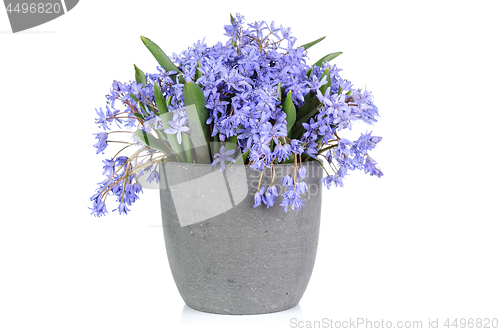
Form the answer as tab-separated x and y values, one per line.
227	257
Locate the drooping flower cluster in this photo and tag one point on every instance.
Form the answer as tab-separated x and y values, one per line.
259	93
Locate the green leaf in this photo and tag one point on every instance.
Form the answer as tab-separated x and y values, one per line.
327	58
201	146
152	142
233	43
143	108
278	89
244	156
215	144
187	145
140	77
198	72
290	111
134	97
139	115
289	160
161	134
160	100
161	104
306	46
298	129
194	101
309	105
161	57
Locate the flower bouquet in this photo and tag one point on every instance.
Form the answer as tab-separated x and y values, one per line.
253	98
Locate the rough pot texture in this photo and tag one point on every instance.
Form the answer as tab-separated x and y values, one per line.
227	257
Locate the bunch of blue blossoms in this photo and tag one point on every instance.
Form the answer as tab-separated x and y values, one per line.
253	94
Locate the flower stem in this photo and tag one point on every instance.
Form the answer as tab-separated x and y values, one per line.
260	180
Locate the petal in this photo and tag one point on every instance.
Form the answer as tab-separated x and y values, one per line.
170	131
216	160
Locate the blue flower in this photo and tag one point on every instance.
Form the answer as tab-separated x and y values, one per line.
153	176
98	206
177	128
302	173
332	179
222	156
296	146
109	167
120	160
270	196
122	208
259	196
101	144
291	199
287	181
102	121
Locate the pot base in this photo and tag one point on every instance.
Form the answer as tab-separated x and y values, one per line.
232	312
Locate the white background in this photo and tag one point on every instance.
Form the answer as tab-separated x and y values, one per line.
421	242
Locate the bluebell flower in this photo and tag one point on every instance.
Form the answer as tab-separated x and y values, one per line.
98	206
102	120
329	156
153	176
101	144
311	149
296	146
259	196
302	173
122	208
301	187
370	167
136	188
130	195
292	200
287	181
332	179
271	195
282	152
222	156
120	160
109	167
